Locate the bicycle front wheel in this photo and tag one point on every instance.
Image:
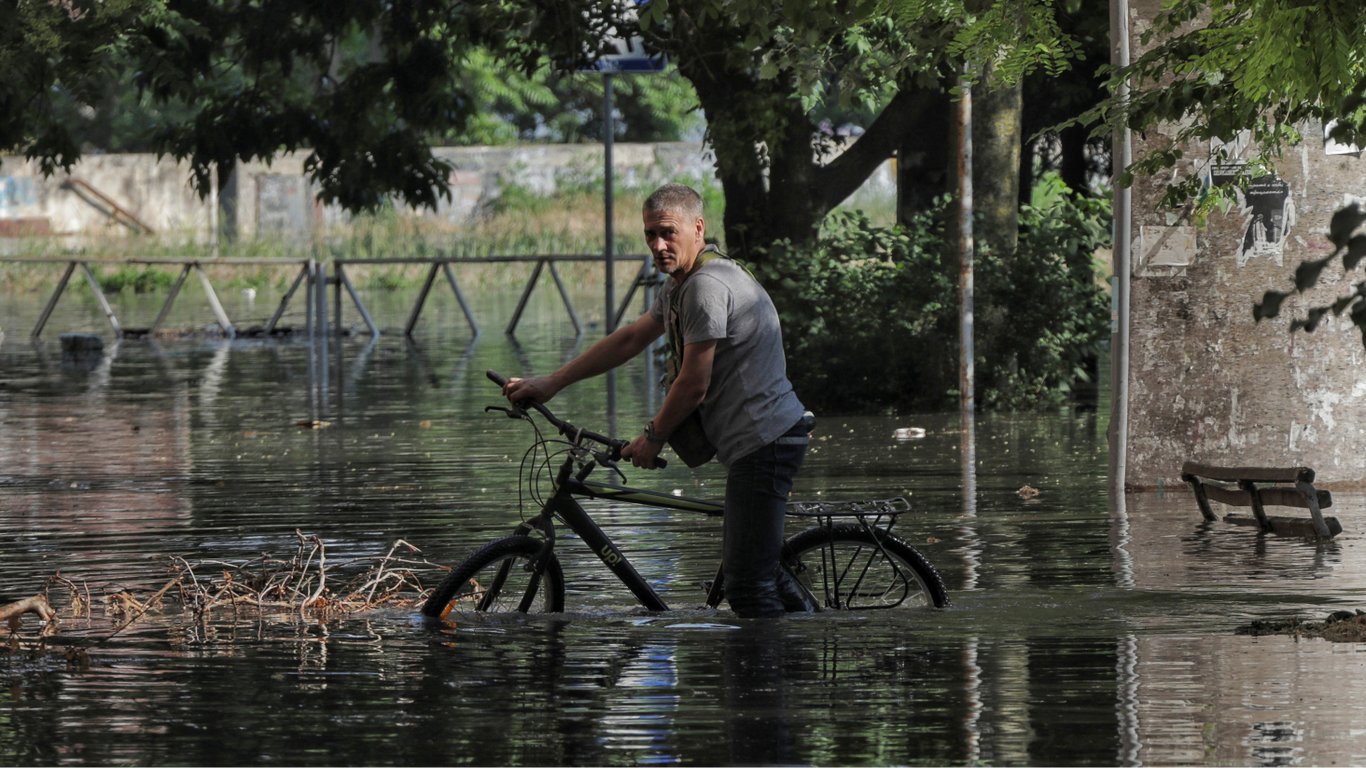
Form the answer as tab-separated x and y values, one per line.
851	567
501	577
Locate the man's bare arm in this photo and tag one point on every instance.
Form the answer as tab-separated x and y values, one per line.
616	348
685	395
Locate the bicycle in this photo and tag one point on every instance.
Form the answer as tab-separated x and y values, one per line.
848	559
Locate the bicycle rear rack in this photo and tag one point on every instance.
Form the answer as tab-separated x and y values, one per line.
862	509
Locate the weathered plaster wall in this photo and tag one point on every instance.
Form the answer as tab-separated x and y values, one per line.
277	199
1206	381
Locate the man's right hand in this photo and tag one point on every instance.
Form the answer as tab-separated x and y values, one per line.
537	389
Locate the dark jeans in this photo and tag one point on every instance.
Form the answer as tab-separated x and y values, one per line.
756	499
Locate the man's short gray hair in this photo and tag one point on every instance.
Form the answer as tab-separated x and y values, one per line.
675	198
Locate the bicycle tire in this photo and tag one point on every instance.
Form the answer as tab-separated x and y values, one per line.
495	579
851	567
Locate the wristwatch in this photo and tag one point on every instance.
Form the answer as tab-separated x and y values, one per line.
652	435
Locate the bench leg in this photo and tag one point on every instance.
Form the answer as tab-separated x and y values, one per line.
1258	510
1311	499
1201	499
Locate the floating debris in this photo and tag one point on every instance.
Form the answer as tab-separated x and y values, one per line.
1027	492
13	613
1339	627
909	433
300	587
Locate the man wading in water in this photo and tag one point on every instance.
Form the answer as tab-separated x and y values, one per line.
727	373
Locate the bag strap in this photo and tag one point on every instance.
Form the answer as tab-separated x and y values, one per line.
673	323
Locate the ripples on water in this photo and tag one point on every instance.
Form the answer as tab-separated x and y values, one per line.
1079	635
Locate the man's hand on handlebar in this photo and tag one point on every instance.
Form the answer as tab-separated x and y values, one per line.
537	389
642	452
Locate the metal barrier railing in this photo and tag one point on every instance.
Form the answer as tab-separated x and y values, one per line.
314	274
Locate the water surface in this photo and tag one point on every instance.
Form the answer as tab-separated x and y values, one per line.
1081	632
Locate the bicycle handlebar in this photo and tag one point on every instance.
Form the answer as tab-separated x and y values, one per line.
564	427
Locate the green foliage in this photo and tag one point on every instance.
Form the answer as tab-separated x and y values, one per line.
1217	71
870	314
129	278
1042	314
51	47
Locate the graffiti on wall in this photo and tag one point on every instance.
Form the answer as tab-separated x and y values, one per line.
283	205
16	192
1268	215
1268	212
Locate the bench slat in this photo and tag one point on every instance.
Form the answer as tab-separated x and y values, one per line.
1255	474
1278	497
1289	526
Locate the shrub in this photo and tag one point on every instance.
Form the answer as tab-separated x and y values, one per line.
870	314
865	317
136	279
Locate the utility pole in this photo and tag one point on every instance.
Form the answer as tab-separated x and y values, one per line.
964	240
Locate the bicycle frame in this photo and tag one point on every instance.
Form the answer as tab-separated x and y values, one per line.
564	504
570	485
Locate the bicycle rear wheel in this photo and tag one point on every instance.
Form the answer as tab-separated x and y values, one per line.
850	567
501	578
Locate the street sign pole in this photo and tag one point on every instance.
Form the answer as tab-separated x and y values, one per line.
626	54
608	129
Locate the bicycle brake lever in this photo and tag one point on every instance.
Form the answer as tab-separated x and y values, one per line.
606	459
512	413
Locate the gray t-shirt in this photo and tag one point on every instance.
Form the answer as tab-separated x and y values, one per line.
750	402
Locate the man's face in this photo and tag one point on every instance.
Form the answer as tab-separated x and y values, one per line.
673	240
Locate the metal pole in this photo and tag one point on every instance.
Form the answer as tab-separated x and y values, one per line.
608	129
966	396
1121	156
321	328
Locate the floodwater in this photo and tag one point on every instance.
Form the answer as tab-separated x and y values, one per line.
1082	632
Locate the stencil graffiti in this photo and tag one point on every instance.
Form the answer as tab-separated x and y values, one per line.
1268	212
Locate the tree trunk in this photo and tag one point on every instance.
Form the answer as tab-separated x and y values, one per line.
996	163
227	201
764	143
924	158
1074	166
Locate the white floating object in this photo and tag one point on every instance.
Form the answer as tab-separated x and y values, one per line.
909	433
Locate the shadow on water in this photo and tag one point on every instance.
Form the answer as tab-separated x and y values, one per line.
1081	632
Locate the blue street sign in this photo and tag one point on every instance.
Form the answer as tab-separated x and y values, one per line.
626	50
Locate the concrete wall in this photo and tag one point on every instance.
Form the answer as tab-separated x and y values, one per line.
277	200
1206	381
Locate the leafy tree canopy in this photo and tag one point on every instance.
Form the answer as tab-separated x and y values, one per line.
365	86
767	72
69	44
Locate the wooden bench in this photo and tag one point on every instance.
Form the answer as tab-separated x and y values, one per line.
1259	488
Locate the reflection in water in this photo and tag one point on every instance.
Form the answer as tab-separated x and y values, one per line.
755	683
1083	631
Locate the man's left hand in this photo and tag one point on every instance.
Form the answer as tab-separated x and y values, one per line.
642	452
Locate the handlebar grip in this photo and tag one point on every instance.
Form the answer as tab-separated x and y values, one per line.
617	445
496	377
